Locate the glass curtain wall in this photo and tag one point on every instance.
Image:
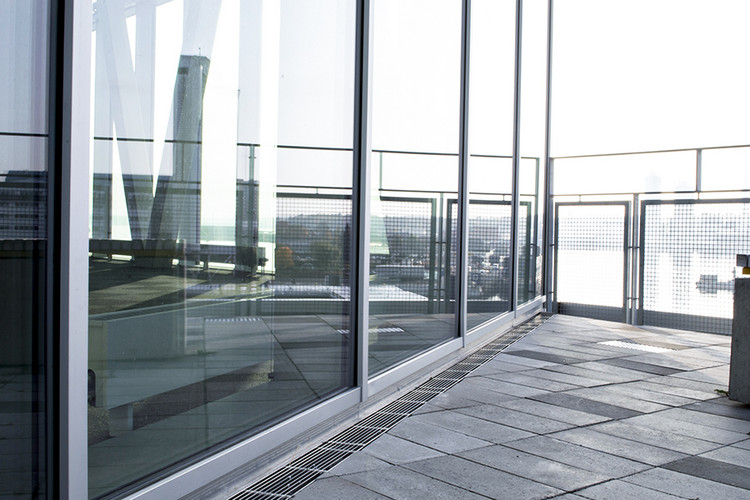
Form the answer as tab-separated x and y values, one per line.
532	140
493	41
220	224
415	123
24	133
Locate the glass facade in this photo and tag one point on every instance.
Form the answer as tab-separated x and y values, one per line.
416	64
219	287
24	139
226	222
491	129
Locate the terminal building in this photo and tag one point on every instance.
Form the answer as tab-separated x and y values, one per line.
230	227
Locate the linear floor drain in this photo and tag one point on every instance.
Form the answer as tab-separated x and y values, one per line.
290	479
635	345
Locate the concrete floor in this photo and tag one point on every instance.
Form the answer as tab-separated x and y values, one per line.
561	415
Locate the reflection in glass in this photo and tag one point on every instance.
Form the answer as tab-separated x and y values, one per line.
416	70
490	164
221	214
23	247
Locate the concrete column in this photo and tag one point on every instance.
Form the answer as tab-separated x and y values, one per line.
739	371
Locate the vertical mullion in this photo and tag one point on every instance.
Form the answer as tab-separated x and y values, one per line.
360	269
516	161
462	229
70	147
548	171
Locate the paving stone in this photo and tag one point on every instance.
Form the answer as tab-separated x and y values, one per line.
730	454
687	486
542	470
398	482
628	389
656	436
578	456
482	479
670	389
434	437
358	462
618	490
668	422
451	400
603	394
622	447
713	470
473	426
710	420
632	364
520	360
519	420
546	374
395	450
740	411
488	384
585	405
554	412
543	356
535	382
743	444
335	488
613	376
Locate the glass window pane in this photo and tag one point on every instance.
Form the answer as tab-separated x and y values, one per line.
221	220
23	246
532	142
415	120
493	47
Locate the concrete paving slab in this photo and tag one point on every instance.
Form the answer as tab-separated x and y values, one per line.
394	450
517	419
438	438
618	490
554	412
398	482
482	479
472	426
578	456
713	470
622	447
358	462
556	474
656	436
730	454
687	486
586	405
336	488
667	421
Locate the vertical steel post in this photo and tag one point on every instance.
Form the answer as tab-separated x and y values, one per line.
462	229
67	260
360	268
549	221
516	161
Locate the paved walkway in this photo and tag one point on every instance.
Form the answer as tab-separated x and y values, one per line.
563	414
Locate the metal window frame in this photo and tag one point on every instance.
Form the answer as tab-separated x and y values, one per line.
72	144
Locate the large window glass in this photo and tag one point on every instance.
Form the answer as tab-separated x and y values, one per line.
221	217
493	42
24	132
415	121
532	138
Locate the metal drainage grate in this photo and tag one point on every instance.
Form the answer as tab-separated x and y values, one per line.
635	345
288	480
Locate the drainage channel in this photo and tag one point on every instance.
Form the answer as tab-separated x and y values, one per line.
285	482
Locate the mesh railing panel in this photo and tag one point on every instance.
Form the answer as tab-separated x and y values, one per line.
590	259
689	252
312	237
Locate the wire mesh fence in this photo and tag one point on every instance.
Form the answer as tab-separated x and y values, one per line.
591	243
688	255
